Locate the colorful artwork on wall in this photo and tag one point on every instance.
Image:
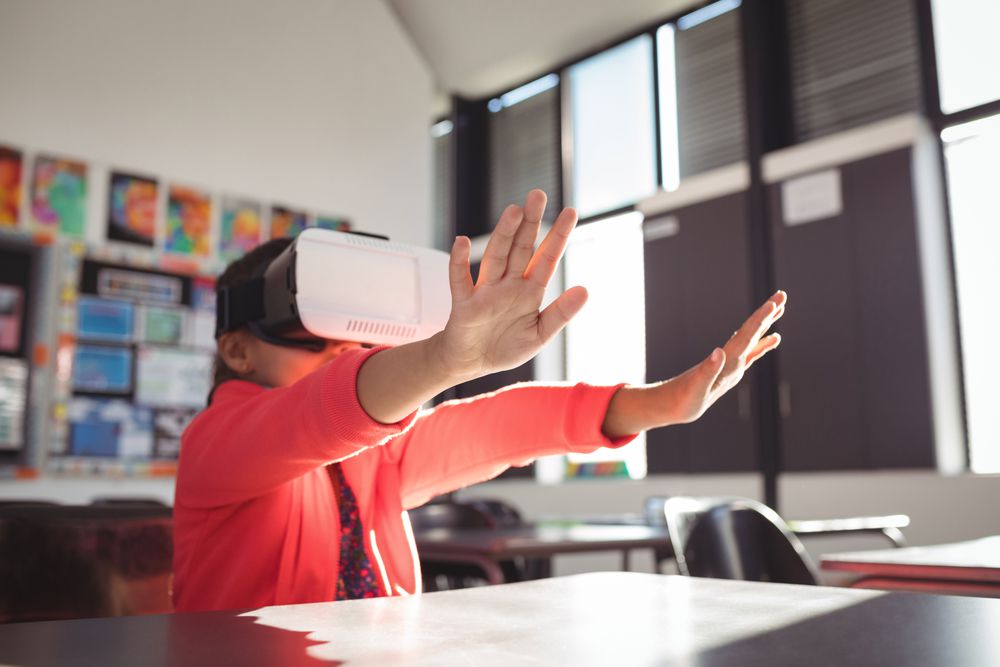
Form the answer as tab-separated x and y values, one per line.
10	186
336	224
189	222
286	222
241	225
59	196
132	209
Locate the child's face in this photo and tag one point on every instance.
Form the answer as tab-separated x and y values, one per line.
281	366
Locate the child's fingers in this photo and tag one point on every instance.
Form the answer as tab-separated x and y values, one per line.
524	241
764	346
459	274
543	264
761	320
494	263
560	312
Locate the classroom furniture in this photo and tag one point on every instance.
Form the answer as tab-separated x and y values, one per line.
889	527
735	538
968	568
65	561
487	548
590	619
449	514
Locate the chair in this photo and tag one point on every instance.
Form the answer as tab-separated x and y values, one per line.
65	561
482	514
735	538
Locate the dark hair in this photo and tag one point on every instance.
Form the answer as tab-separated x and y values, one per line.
239	271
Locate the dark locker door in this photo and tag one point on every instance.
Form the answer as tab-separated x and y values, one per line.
697	294
819	371
896	396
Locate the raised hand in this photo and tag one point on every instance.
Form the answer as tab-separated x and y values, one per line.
496	323
686	397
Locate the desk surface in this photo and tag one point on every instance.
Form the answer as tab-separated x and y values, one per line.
539	540
975	560
591	619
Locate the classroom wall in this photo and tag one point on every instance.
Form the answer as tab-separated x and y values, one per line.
319	104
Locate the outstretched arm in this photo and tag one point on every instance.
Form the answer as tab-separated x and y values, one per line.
495	323
686	397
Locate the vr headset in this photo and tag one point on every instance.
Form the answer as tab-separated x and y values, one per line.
331	285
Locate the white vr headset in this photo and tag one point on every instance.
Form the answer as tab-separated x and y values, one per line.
331	285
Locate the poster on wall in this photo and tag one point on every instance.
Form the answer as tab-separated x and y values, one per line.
11	317
165	326
168	425
172	377
13	402
102	369
286	222
334	223
241	227
132	209
59	196
110	428
10	186
189	222
104	319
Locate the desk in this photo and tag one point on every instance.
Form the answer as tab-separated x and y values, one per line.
486	548
963	567
591	619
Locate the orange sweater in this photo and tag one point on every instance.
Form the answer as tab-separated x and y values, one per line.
255	516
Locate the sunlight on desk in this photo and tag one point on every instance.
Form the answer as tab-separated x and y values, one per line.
586	619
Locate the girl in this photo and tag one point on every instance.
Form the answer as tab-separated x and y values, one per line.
294	482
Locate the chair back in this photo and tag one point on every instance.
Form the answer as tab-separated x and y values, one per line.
735	538
448	515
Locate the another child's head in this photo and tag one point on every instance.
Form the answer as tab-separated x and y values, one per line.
243	356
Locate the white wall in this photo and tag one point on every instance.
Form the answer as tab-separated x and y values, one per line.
321	104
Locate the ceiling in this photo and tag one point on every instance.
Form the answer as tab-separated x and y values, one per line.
477	48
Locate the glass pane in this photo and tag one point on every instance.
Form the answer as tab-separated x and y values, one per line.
972	155
968	51
606	341
614	147
667	85
524	146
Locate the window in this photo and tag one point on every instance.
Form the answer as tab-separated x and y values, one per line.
605	343
853	62
613	128
972	157
442	140
702	118
967	50
524	145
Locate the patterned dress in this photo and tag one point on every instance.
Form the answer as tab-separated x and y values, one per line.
357	578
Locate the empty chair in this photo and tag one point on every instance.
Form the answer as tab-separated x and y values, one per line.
113	501
735	538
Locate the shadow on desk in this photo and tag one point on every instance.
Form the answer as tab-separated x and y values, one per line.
193	639
895	629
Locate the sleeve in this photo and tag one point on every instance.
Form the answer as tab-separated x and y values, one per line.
464	442
252	440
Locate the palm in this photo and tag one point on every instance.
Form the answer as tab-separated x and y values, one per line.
496	323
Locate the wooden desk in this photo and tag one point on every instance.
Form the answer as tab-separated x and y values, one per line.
591	619
486	548
971	567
